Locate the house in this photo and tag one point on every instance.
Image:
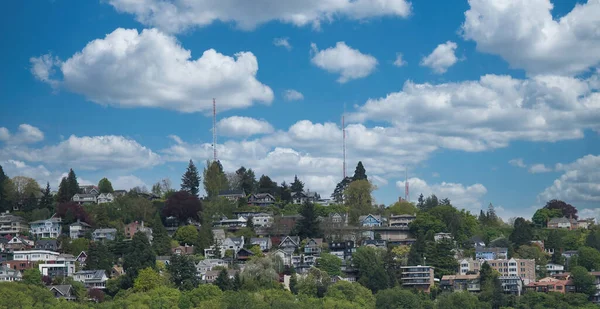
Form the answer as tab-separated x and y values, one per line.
134	227
91	279
570	253
342	249
264	243
183	250
12	225
207	265
47	244
233	244
89	189
417	277
456	283
289	244
284	225
105	198
303	197
78	229
104	234
231	223
550	284
511	285
64	291
8	274
554	269
261	199
324	201
81	198
562	223
212	275
494	253
62	266
243	255
232	195
522	268
49	228
81	258
116	271
476	242
19	243
313	246
440	236
370	220
262	220
401	220
585	223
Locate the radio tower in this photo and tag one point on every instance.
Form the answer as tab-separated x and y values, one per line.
406	194
344	143
214	129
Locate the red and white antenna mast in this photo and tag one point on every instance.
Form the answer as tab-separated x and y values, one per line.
406	193
214	129
344	142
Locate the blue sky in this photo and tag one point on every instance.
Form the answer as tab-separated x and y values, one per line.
481	102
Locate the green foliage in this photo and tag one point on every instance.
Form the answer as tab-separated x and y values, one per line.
330	264
32	276
459	300
215	179
46	201
340	188
297	185
148	279
104	186
358	199
583	281
522	233
589	258
352	292
182	271
161	242
266	185
402	208
99	257
223	281
76	246
139	256
187	234
190	181
593	238
543	215
72	184
397	298
371	271
359	173
566	210
308	226
440	255
314	284
247	180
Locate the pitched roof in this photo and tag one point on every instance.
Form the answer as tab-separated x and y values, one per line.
96	274
376	217
560	220
51	219
80	223
63	289
44	242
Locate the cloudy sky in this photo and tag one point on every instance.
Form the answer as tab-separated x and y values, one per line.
480	101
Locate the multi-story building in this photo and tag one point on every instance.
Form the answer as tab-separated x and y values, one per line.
104	234
264	243
105	198
92	279
207	265
562	223
470	283
554	269
342	249
78	229
261	199
233	244
401	220
313	246
81	198
511	284
49	228
418	277
63	266
370	220
550	284
522	268
262	220
134	227
50	263
12	225
9	274
494	253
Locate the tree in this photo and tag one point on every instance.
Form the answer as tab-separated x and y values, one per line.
99	257
583	281
460	300
190	181
522	233
554	240
359	172
76	246
4	202
70	212
223	281
46	200
330	263
138	256
297	186
308	226
358	199
589	258
247	180
183	205
161	242
543	215
567	210
32	276
147	279
182	271
215	180
491	216
72	184
397	298
371	270
338	192
266	185
187	234
63	191
286	193
156	189
104	186
402	208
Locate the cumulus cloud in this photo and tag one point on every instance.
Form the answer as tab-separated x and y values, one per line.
243	126
151	69
461	196
177	16
128	182
517	162
14	168
490	112
526	35
539	168
282	42
26	134
580	182
399	60
42	68
342	59
441	58
293	95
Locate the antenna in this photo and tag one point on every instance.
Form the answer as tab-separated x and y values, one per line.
214	130
406	192
344	141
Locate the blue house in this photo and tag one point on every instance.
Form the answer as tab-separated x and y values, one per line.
370	221
491	253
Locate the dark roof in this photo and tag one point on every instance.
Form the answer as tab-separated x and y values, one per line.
44	242
64	289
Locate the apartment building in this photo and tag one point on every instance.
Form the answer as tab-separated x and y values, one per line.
49	228
523	268
418	277
493	253
401	220
12	225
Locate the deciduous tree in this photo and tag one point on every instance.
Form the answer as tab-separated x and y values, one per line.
358	199
182	271
104	186
187	234
567	210
183	205
330	263
215	179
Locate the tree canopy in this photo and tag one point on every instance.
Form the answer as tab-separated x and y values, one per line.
105	186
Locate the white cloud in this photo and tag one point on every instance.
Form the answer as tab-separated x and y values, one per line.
491	112
525	34
14	168
42	68
282	42
539	168
26	134
342	59
399	61
580	182
128	182
89	153
243	126
293	95
461	196
441	58
435	174
151	69
177	16
517	162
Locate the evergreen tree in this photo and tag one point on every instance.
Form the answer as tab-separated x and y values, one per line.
104	186
266	185
223	281
297	186
417	251
482	218
215	179
294	284
359	172
522	233
46	200
138	256
247	180
182	271
190	181
338	193
492	218
237	282
308	226
72	184
99	257
4	203
286	193
63	191
421	202
161	242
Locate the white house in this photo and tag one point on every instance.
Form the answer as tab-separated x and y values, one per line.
440	236
49	228
104	234
264	243
85	198
105	198
207	265
78	229
231	243
554	269
92	279
9	274
63	266
262	220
